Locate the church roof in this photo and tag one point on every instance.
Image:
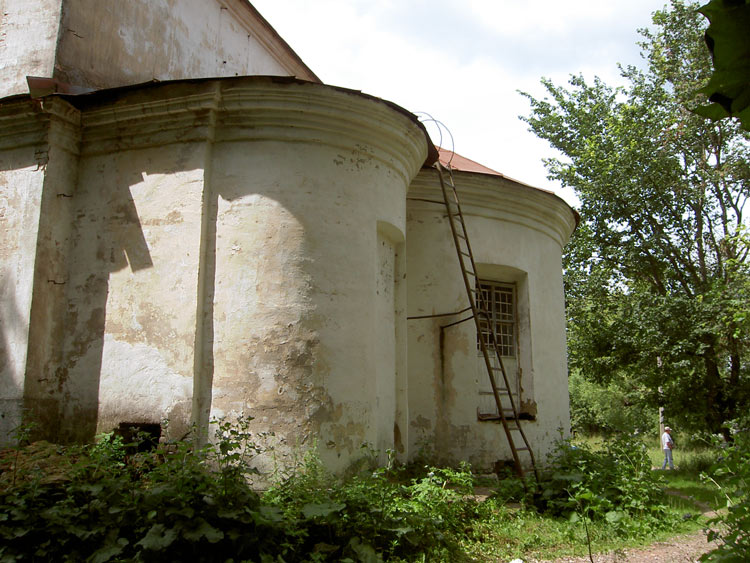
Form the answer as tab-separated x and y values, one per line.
455	161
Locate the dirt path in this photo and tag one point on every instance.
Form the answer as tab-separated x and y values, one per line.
681	549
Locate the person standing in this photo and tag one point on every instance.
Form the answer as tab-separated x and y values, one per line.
666	445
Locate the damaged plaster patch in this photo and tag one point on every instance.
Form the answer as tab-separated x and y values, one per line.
137	380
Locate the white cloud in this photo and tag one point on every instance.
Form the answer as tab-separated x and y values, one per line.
463	62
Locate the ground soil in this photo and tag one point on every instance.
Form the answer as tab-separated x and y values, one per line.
681	549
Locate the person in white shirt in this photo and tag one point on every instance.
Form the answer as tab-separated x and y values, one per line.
666	445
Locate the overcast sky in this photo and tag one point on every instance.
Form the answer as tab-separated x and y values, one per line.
463	61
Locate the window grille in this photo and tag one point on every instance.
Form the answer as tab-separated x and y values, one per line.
499	299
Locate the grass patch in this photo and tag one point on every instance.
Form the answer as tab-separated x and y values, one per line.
692	494
698	491
100	503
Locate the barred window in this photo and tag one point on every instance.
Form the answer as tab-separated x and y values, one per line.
499	301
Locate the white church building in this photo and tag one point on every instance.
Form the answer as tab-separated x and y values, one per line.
195	226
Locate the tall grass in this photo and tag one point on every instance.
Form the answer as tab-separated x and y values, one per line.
692	459
105	504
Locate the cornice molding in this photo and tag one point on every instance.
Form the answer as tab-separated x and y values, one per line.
26	122
252	109
495	197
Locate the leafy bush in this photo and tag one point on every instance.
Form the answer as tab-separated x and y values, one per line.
732	476
382	512
615	485
100	503
105	505
598	408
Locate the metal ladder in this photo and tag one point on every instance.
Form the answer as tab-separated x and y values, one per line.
481	314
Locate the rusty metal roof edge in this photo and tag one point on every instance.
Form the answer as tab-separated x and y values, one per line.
495	174
78	100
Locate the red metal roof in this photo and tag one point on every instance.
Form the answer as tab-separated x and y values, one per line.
455	161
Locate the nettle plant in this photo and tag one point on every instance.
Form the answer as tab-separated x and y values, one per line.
391	511
732	476
101	503
615	485
110	502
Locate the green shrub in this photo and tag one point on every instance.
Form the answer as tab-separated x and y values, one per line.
732	477
176	505
381	512
596	408
615	485
101	503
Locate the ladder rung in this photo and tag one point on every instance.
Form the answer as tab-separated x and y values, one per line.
479	306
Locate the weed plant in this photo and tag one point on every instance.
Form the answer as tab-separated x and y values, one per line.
731	476
381	513
615	484
102	503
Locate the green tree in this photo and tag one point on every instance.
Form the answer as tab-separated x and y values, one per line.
657	277
728	39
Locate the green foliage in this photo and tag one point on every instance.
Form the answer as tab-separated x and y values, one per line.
102	503
383	512
174	504
732	477
657	276
180	504
729	42
613	406
615	485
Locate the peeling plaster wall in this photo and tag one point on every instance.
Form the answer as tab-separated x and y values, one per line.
522	230
28	39
229	247
298	217
133	291
20	202
21	182
37	155
104	44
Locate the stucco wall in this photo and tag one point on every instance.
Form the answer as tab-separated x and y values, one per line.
38	148
21	183
28	38
233	247
104	43
299	347
133	286
517	234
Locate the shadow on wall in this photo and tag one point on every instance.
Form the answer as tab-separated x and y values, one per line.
104	287
109	289
86	233
12	325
